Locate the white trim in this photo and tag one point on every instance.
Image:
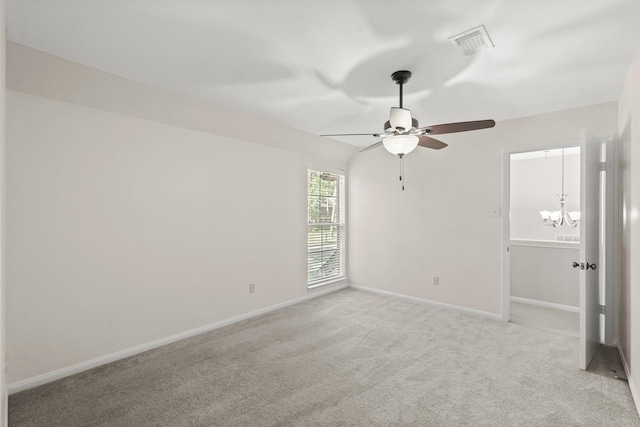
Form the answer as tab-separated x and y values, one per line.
632	387
319	168
329	282
546	244
505	304
612	249
493	316
546	304
550	145
93	363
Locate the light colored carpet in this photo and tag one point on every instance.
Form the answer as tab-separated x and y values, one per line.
351	358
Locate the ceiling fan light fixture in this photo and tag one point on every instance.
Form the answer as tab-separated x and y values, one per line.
400	144
400	119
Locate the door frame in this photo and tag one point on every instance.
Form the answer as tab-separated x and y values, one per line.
612	224
592	227
612	238
505	314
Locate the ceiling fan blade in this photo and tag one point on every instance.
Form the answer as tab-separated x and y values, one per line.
428	142
354	134
377	144
458	127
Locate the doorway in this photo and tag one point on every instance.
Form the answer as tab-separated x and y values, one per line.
544	239
598	220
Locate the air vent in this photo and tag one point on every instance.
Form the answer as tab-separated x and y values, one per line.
473	40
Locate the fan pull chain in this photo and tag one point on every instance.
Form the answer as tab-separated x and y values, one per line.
401	170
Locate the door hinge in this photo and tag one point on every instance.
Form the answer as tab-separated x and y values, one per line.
603	166
602	307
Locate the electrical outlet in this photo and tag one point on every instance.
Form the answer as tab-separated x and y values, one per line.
252	288
436	280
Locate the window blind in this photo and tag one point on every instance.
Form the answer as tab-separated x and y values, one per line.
326	227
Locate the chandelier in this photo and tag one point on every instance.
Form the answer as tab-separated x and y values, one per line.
558	218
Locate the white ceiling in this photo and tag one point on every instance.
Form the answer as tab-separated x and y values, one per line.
324	66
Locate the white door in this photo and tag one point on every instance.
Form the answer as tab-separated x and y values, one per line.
590	158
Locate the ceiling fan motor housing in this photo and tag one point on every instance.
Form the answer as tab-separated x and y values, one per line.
390	129
400	119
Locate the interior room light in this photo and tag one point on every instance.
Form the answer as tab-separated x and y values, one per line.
400	144
560	217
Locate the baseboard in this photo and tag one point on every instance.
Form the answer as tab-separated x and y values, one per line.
493	316
632	386
546	304
93	363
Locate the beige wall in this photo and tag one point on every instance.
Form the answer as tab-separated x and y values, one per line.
629	131
442	224
123	230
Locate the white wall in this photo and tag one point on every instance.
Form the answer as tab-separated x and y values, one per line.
3	387
442	225
38	73
543	272
629	131
535	184
122	230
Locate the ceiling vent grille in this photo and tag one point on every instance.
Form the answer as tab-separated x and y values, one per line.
473	40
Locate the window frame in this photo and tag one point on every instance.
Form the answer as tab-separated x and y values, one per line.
340	224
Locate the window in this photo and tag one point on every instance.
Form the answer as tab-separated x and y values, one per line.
326	223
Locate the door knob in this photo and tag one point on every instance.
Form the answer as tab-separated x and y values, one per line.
584	266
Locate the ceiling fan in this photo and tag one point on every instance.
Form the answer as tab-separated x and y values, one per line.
402	133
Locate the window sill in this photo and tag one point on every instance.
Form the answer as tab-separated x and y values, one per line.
328	282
